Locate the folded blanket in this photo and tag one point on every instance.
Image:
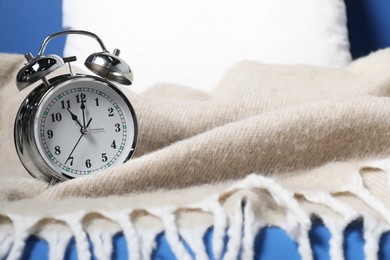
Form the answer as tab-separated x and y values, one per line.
271	144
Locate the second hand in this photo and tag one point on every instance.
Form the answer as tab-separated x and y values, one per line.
83	131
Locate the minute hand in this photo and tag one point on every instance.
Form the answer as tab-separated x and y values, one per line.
83	109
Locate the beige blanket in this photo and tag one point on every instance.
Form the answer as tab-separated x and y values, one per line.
271	144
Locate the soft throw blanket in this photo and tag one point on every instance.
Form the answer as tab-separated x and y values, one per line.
271	144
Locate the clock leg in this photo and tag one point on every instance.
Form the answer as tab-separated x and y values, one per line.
52	182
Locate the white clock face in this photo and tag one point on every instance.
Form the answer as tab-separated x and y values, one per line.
85	126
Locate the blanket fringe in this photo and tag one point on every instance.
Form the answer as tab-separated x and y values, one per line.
240	226
58	244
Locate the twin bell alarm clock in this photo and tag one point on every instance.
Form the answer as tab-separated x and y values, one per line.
73	125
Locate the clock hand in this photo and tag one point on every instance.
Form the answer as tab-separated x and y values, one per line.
88	123
70	155
85	129
95	130
74	118
83	109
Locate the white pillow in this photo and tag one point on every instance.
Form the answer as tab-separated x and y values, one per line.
193	43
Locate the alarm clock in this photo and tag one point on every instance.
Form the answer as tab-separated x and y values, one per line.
73	125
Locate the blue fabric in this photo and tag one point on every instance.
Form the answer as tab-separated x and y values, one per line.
270	243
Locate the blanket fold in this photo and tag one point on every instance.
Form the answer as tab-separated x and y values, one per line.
315	137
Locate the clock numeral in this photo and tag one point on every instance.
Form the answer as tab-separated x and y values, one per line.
71	161
117	127
57	150
88	163
113	145
80	98
65	104
57	117
104	157
97	101
49	134
111	111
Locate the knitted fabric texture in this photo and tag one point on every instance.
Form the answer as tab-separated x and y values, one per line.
270	145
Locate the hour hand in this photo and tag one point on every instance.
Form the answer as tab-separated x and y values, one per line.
74	118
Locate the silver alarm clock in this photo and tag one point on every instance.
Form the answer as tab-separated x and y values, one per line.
73	125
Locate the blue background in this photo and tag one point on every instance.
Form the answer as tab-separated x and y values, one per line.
25	23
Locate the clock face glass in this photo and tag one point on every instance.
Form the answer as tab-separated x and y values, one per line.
85	126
